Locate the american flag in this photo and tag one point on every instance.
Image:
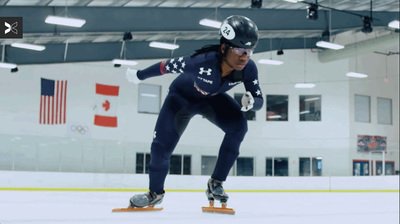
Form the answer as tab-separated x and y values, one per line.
53	103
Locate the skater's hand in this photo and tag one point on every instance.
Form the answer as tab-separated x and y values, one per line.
131	76
247	101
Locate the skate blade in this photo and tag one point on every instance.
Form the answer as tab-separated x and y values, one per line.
229	211
130	209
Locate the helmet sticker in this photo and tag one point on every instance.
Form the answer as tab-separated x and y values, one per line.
227	31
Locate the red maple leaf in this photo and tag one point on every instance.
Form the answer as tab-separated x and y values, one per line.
106	105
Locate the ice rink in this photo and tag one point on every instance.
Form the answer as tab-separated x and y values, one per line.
92	207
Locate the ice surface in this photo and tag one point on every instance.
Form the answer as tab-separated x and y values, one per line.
61	207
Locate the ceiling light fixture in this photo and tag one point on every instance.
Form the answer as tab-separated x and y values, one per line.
7	65
329	45
327	36
293	1
210	23
33	47
356	75
65	21
122	55
304	85
270	62
163	45
124	62
394	24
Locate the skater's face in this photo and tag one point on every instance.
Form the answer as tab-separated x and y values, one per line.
236	58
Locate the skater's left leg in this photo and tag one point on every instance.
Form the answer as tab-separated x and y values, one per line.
172	121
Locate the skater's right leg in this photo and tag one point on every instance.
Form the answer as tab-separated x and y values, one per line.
226	114
170	125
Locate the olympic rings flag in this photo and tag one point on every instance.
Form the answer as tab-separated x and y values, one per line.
106	105
78	130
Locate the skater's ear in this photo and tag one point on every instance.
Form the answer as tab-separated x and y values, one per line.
223	48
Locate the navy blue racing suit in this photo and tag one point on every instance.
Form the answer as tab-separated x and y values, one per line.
199	89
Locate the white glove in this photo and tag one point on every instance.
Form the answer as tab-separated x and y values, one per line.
131	75
247	101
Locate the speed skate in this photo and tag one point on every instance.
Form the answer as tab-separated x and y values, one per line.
215	191
131	209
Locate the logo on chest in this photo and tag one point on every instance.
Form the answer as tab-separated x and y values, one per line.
234	83
202	71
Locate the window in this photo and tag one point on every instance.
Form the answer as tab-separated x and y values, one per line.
149	98
362	108
268	167
244	166
142	162
281	167
208	164
249	115
277	107
389	168
310	166
180	164
384	111
360	168
277	167
310	108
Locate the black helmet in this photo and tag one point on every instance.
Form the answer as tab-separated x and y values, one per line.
239	31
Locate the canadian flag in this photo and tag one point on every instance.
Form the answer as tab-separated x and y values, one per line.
106	108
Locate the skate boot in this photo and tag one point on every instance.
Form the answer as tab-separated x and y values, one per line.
216	191
148	199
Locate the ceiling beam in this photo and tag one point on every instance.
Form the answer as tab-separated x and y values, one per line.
275	25
106	51
114	19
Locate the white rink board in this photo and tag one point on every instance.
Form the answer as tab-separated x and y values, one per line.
18	179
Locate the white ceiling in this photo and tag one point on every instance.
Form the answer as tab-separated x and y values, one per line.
353	5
